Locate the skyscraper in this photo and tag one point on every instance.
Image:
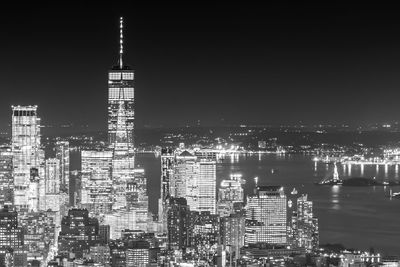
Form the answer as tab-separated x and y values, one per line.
207	183
305	225
184	182
62	154
167	171
121	117
97	186
52	176
178	214
229	193
137	198
6	177
233	232
193	178
266	216
121	103
52	199
27	157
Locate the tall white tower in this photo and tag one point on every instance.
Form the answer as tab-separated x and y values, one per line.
121	103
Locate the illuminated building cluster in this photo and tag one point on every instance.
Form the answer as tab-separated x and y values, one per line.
189	176
106	222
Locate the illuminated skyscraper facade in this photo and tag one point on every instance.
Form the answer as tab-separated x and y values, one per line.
207	183
121	104
184	182
97	186
52	185
266	216
137	198
185	175
27	157
229	193
305	225
121	117
233	232
6	177
62	154
167	171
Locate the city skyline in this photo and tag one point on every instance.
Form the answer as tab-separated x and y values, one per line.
234	196
305	52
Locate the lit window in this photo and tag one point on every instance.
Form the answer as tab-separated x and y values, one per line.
114	76
127	76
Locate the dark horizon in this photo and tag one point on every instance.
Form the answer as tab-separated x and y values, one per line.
286	64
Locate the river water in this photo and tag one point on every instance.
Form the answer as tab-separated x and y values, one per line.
358	217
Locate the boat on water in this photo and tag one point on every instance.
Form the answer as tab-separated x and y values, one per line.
273	170
394	195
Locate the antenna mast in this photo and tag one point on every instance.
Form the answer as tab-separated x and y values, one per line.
121	41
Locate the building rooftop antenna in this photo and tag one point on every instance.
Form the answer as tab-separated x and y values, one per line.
121	41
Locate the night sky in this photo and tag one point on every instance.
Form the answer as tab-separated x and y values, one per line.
220	64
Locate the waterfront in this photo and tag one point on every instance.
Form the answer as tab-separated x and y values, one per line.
360	217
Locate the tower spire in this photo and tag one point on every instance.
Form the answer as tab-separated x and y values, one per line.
121	41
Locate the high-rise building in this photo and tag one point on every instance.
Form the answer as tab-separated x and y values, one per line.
62	154
6	177
305	225
178	213
232	233
52	176
121	117
266	216
97	185
207	183
137	198
121	103
122	172
188	176
229	193
184	182
27	157
52	201
167	171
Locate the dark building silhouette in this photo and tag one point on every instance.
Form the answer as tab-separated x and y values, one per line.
78	233
177	223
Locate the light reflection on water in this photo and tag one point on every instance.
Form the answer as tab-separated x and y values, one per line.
335	190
